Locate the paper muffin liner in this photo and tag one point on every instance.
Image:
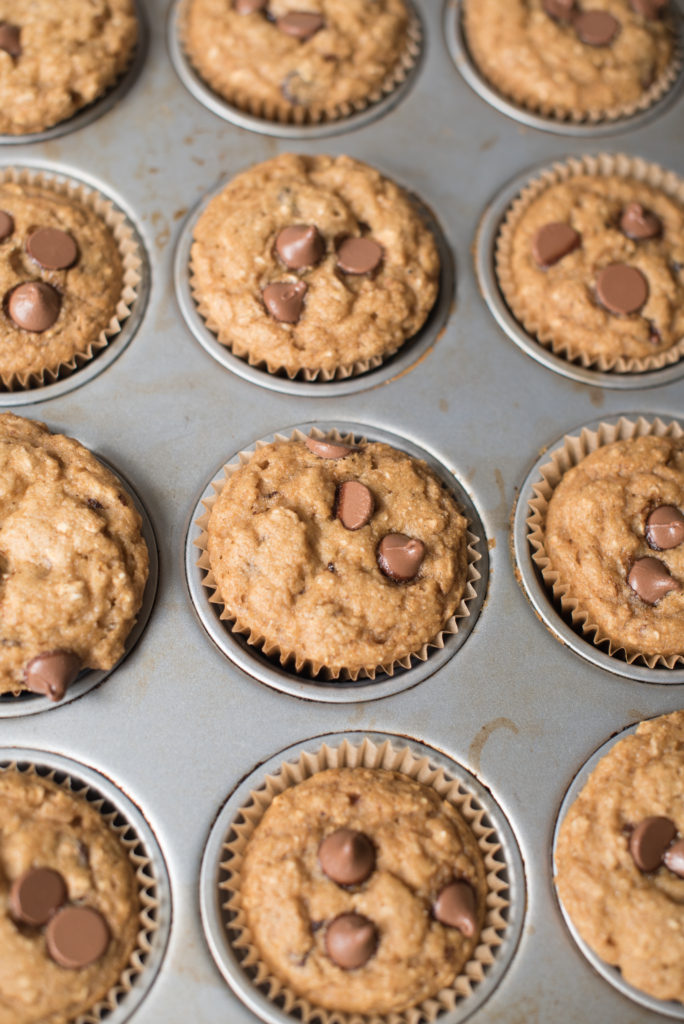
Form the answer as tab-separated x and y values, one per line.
596	116
288	659
289	114
602	165
574	449
144	875
131	259
387	756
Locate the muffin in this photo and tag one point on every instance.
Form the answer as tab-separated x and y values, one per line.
69	916
51	66
589	259
316	265
574	60
337	557
73	562
619	858
69	266
286	60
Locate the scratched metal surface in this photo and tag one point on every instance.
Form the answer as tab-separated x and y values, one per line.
177	725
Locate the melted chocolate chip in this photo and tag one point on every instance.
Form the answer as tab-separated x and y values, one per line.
665	528
455	907
52	248
359	255
621	289
50	674
649	8
34	306
559	10
77	936
649	841
596	28
650	580
674	858
354	504
300	24
36	895
6	225
351	940
248	6
638	223
400	557
10	40
300	246
285	300
554	241
328	449
346	856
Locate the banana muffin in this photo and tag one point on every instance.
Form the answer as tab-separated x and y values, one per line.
73	562
70	908
363	890
619	858
338	557
57	58
313	264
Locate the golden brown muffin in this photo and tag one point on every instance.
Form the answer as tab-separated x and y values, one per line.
66	882
57	58
619	874
73	562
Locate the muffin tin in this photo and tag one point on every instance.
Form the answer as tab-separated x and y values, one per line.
177	724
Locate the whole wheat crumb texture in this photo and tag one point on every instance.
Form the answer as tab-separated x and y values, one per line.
421	845
59	57
44	826
336	317
256	61
290	571
597	531
632	918
73	563
551	62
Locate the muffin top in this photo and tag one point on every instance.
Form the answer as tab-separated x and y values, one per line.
615	537
364	890
52	64
570	58
69	902
73	562
276	57
313	263
594	266
345	557
620	858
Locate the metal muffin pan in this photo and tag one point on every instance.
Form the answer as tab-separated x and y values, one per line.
179	724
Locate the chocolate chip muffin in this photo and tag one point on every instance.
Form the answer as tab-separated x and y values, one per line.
69	916
620	858
290	60
313	265
337	557
52	64
573	58
73	562
363	890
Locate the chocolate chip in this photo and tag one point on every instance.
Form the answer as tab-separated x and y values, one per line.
36	895
300	24
596	28
665	528
248	6
34	306
455	906
347	856
359	255
649	841
649	8
300	246
77	936
351	940
400	557
638	223
650	580
621	289
298	89
52	248
559	10
674	858
9	39
285	300
50	674
554	241
6	225
94	503
328	449
354	504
